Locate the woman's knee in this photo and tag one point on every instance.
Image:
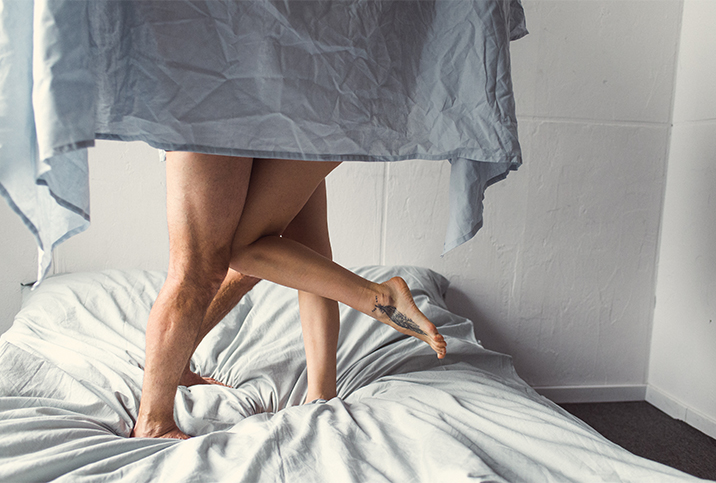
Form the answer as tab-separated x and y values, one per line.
245	258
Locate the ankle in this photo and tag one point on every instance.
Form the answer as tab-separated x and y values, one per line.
155	428
380	294
325	395
326	391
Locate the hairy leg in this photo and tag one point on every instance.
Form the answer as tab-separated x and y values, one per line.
320	318
232	289
309	228
205	199
278	189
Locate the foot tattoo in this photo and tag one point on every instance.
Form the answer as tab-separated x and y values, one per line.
408	319
398	318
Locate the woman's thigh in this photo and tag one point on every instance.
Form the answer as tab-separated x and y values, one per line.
310	226
277	193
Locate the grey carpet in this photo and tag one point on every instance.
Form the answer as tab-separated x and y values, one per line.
646	431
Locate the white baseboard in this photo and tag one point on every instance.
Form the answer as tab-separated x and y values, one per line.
591	394
641	392
678	410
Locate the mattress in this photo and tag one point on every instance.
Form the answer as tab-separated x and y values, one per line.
71	375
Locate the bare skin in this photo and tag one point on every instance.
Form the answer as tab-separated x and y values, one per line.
276	187
319	321
319	316
232	290
199	252
209	232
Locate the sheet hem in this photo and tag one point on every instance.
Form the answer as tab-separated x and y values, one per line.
249	153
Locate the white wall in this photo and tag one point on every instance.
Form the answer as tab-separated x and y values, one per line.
128	212
18	263
682	369
562	276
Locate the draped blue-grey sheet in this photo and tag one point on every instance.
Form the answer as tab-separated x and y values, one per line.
71	375
342	80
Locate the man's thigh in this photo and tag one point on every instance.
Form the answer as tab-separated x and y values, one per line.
205	199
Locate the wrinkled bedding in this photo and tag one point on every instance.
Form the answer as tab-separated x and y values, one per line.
341	80
71	373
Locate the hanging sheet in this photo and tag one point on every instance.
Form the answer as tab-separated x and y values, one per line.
342	80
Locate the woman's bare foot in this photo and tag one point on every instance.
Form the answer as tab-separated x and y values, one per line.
396	308
192	379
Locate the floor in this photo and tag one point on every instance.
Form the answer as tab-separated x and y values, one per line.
646	431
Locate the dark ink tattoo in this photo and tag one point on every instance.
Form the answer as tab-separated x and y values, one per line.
399	318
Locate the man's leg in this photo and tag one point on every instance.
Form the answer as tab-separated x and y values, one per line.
205	199
232	290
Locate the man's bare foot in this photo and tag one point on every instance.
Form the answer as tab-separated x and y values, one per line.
158	431
192	379
396	308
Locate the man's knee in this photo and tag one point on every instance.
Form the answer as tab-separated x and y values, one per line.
198	273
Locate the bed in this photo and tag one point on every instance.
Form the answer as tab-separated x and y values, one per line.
70	384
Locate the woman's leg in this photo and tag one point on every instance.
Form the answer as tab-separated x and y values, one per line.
205	199
320	319
278	189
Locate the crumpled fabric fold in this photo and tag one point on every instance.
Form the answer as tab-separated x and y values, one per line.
341	80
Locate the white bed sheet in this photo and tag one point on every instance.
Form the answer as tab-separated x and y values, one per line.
71	371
